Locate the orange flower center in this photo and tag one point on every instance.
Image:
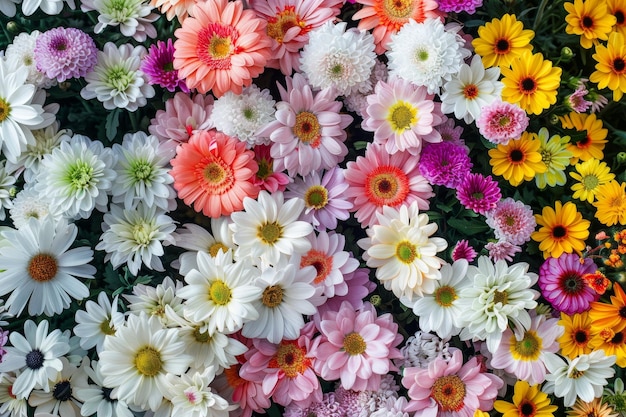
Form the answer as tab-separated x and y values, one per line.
278	25
307	129
216	44
216	176
232	376
42	267
386	185
449	392
322	263
470	91
291	358
395	13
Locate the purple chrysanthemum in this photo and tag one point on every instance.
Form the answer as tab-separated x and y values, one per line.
458	6
64	53
158	66
502	250
449	131
563	285
512	221
444	163
479	193
463	250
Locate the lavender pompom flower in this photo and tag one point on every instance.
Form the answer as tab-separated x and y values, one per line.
158	66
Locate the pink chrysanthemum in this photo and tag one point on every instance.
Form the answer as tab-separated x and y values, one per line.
183	116
502	250
214	172
478	193
445	163
563	285
402	115
266	178
500	122
458	6
359	287
576	101
309	132
158	66
324	198
64	53
288	25
463	250
450	388
328	407
356	347
221	48
512	221
379	179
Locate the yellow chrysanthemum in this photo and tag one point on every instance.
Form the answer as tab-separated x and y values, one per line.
590	175
618	9
555	156
531	82
502	40
611	66
577	334
590	19
612	343
527	401
519	160
562	230
611	203
592	144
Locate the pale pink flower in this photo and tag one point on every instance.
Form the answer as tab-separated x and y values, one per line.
501	121
359	287
502	250
512	221
183	116
576	101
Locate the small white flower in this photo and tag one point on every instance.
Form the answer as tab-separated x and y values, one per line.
192	396
10	405
7	189
420	349
97	321
134	17
154	300
96	397
60	400
28	204
49	7
21	51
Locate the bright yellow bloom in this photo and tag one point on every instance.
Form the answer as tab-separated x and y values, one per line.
611	203
612	343
527	401
610	315
555	156
592	145
575	339
618	9
590	19
611	66
590	175
502	40
531	82
563	230
519	160
594	408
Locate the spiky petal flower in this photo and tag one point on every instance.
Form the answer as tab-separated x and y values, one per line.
159	68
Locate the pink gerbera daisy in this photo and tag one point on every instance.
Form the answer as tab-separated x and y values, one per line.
563	285
450	388
309	132
478	193
266	178
357	347
402	115
183	116
512	221
500	122
221	48
214	172
379	179
289	23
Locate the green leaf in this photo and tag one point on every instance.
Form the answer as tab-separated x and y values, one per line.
468	227
112	123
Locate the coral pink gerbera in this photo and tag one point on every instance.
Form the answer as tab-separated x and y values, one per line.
450	388
289	23
221	48
214	172
379	179
356	347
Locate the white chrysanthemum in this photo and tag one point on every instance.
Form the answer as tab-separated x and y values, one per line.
134	17
34	357
29	204
269	227
97	321
7	190
192	396
96	397
243	115
135	236
154	300
21	51
60	400
403	252
471	89
497	294
426	53
420	349
49	7
116	80
143	173
10	405
339	58
136	361
77	176
221	292
37	264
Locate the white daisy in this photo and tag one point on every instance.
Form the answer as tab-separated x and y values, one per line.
35	356
60	399
7	8
221	292
153	300
286	289
143	172
243	115
29	204
471	89
133	237
21	51
116	80
137	359
97	321
339	58
7	191
134	17
269	227
192	396
77	176
50	7
426	53
38	265
497	294
96	397
10	405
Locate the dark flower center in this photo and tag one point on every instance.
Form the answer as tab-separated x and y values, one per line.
516	155
587	22
34	359
622	312
559	232
619	16
572	283
528	85
618	339
619	65
502	46
581	336
526	409
62	391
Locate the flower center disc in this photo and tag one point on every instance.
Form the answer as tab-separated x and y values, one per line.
278	25
445	296
291	358
269	233
307	128
42	267
219	293
402	116
5	109
398	9
148	361
316	197
406	252
272	296
527	349
387	185
449	393
353	344
215	248
201	336
322	263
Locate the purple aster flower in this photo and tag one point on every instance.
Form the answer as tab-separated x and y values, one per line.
64	53
158	66
444	163
458	6
563	285
359	287
463	250
512	221
479	193
449	131
502	250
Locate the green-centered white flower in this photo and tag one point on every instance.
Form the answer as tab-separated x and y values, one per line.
134	17
556	156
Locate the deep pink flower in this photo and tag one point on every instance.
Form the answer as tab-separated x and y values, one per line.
158	66
266	178
183	116
463	250
444	163
500	122
458	6
478	193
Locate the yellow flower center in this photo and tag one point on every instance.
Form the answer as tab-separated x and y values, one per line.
291	358
278	25
272	296
269	233
201	336
399	9
106	328
353	344
142	234
5	109
445	296
406	252
449	392
42	267
401	116
527	349
219	47
307	128
316	197
214	173
220	293
215	248
148	361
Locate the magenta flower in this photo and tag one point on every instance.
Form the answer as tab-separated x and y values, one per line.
64	53
444	163
463	250
563	285
266	178
478	193
158	65
458	6
183	116
512	221
501	121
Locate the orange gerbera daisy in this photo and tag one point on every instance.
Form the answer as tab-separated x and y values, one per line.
221	48
592	144
563	230
613	315
214	172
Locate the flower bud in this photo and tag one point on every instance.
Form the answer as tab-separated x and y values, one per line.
566	54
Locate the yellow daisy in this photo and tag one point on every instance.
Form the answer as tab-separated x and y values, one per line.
592	144
502	40
590	175
555	156
519	160
575	339
612	343
611	66
528	401
618	9
594	408
562	230
611	203
590	19
531	82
